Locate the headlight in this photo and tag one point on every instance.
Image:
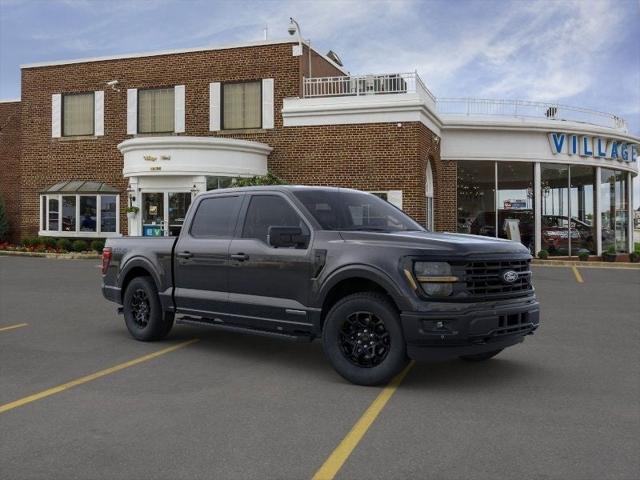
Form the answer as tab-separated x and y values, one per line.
435	278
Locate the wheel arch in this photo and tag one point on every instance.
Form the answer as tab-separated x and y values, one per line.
350	280
136	267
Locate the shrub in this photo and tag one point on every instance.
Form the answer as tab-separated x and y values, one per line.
65	244
79	246
97	245
4	222
611	250
543	254
29	242
583	256
48	242
268	179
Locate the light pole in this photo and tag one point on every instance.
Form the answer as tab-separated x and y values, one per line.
294	27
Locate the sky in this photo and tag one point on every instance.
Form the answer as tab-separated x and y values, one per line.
584	53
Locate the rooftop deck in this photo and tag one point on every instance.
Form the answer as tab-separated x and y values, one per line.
411	83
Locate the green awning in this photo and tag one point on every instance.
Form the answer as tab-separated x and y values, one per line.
82	187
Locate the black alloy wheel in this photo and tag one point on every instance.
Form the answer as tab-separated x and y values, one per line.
364	339
140	308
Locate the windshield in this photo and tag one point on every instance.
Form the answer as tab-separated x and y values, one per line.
356	211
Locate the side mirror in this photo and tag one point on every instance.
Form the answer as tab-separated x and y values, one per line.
280	237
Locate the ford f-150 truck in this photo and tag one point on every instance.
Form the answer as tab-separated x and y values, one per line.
337	264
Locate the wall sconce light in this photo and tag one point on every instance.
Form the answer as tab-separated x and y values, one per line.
131	193
194	190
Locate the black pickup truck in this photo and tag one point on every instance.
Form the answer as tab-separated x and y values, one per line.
309	262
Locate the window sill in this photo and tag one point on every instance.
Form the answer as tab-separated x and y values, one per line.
77	138
47	233
241	131
156	134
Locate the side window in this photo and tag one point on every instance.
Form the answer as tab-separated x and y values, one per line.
215	217
270	210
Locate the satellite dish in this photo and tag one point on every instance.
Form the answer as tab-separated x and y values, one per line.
334	57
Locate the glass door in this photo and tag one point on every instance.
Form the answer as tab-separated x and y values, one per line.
178	203
555	208
153	214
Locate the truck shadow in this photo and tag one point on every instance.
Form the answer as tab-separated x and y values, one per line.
308	359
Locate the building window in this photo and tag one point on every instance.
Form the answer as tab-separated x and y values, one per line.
428	190
214	183
515	203
78	114
76	215
156	110
477	198
614	210
241	105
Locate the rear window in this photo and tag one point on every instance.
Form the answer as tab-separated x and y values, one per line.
215	217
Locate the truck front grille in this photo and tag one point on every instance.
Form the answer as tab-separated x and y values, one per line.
485	278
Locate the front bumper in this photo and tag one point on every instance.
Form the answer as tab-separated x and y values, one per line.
449	330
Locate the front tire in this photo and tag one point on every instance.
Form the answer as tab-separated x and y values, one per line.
363	340
143	314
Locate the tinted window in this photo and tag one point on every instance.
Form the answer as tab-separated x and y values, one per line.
345	210
215	217
269	210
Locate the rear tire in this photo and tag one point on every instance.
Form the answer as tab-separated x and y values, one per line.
363	340
480	357
143	314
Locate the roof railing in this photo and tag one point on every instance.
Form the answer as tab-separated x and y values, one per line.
528	109
357	85
403	83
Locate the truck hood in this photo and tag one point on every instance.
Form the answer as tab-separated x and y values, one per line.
450	244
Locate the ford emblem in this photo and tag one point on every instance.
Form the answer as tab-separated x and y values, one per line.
509	276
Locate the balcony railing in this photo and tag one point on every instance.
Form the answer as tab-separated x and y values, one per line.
365	85
402	83
528	109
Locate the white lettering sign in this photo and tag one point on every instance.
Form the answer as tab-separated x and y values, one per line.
596	147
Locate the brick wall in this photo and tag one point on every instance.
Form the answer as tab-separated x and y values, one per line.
444	179
10	163
370	157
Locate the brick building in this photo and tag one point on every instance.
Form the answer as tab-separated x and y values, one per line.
91	137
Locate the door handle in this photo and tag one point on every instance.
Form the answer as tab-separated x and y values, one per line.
184	255
241	257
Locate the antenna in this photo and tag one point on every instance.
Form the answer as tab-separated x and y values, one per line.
266	32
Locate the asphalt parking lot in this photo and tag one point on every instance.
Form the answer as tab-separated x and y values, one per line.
565	404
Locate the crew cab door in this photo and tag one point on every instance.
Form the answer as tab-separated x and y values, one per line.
269	286
201	256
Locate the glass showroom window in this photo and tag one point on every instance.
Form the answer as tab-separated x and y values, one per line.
79	215
77	114
476	198
241	105
515	202
581	204
555	208
156	110
213	183
614	210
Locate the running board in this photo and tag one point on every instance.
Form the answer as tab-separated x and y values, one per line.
186	320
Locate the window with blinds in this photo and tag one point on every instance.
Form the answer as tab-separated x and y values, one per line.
156	110
77	114
241	105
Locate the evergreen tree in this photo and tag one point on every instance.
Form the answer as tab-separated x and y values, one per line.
4	222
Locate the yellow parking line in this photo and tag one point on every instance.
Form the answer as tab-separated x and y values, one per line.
11	327
577	274
334	463
74	383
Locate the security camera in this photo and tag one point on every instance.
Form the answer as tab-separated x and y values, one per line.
292	29
112	83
